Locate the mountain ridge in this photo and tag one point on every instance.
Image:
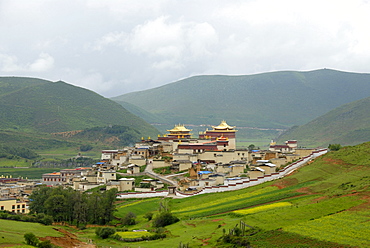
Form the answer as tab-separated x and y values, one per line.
39	105
272	99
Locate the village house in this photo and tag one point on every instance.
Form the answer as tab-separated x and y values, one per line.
256	172
14	206
123	184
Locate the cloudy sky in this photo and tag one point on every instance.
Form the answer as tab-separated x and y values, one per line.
118	46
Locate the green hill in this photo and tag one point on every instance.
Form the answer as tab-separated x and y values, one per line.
30	104
348	124
271	100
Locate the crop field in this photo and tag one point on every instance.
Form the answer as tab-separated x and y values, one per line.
4	162
262	208
133	235
228	201
347	227
138	207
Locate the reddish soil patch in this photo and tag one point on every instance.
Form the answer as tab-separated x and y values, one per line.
67	241
191	224
363	206
286	182
204	241
319	199
334	161
215	220
305	190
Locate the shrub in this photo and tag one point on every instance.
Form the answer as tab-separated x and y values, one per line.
105	232
164	219
31	239
334	147
149	216
46	244
129	219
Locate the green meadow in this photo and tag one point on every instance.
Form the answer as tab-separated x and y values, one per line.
11	232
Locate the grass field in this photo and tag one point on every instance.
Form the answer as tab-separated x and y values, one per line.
11	232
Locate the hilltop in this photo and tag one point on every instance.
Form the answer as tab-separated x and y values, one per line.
270	100
36	105
348	124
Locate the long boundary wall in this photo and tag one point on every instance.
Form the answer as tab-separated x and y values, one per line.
237	184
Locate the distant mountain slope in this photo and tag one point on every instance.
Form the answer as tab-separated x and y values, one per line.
347	125
149	117
30	104
273	100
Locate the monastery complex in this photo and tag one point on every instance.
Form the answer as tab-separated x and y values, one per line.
191	164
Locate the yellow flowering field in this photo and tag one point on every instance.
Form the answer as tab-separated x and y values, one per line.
348	227
130	204
133	235
262	208
228	199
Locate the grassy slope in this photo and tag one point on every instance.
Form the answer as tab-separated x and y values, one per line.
39	105
348	124
275	99
329	203
11	232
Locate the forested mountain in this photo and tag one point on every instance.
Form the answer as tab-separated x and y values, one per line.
348	124
30	104
273	100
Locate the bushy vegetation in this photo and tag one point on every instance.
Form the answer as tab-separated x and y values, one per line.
164	216
11	152
105	232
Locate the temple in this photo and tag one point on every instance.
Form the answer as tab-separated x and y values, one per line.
177	133
224	134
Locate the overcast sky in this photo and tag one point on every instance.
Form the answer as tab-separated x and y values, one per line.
116	47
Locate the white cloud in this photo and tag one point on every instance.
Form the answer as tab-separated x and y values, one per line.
9	63
44	63
119	46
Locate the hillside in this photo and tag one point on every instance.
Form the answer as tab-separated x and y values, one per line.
348	124
323	204
271	100
30	104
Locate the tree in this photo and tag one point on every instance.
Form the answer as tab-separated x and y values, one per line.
38	198
251	147
56	206
129	219
31	239
165	217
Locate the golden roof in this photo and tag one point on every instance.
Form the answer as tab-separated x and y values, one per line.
179	128
223	126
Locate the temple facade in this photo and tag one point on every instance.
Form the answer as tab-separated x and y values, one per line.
223	134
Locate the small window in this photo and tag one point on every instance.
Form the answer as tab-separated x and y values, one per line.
23	205
2	207
18	206
13	206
